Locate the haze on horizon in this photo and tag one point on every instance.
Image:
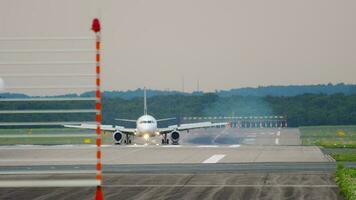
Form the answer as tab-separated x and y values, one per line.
223	44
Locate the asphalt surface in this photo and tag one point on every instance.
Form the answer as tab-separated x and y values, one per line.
175	168
198	146
296	185
141	154
209	164
247	136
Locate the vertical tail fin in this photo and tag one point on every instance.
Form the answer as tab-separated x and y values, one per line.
145	101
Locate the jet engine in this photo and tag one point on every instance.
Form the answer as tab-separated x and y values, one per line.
117	136
175	137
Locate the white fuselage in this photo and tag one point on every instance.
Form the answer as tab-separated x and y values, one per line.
146	126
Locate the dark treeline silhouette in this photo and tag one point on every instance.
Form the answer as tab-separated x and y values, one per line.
301	110
288	90
316	109
292	90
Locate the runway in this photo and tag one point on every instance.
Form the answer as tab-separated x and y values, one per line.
198	146
174	168
295	185
79	155
208	164
250	136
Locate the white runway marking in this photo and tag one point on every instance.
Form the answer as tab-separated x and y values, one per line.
235	145
214	159
217	136
278	133
277	140
34	159
136	145
46	172
46	135
44	147
170	146
49	183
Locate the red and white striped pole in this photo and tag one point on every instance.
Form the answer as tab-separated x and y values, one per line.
99	175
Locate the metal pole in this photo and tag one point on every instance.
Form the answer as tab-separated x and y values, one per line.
99	193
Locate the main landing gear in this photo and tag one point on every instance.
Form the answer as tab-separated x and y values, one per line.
127	139
165	140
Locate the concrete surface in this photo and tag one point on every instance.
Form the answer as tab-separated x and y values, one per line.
174	168
76	155
297	185
243	164
252	136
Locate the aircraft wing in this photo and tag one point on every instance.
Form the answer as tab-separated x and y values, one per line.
103	128
187	127
165	130
125	130
125	120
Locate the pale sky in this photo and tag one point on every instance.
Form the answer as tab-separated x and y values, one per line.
222	43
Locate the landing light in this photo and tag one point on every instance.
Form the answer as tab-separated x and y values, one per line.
146	136
157	133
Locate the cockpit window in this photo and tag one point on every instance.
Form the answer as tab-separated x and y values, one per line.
146	122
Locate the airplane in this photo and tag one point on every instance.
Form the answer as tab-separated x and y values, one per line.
146	127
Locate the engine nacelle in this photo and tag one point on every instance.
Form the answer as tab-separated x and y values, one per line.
117	136
175	137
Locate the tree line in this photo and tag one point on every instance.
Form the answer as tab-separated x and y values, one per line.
301	110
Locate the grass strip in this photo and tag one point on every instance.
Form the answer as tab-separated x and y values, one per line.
329	136
345	156
346	179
